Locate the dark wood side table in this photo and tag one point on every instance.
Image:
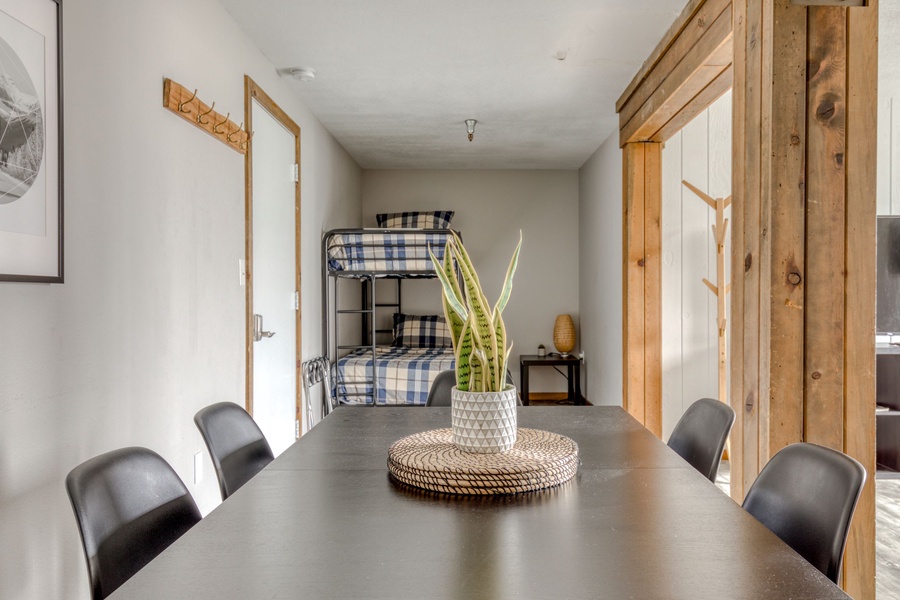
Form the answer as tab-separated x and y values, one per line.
572	363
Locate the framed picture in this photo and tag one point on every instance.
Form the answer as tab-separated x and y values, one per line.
31	168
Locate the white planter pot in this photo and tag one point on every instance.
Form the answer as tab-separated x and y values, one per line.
484	422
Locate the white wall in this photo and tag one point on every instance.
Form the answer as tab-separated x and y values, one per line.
888	109
491	207
148	327
701	154
600	271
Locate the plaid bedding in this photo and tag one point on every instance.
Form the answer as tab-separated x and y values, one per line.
436	219
421	331
380	251
403	375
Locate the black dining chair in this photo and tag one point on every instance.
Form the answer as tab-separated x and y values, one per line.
806	495
699	436
441	387
236	444
130	505
439	394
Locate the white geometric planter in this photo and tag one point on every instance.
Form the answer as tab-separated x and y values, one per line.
484	422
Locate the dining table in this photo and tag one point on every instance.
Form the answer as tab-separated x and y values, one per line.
326	520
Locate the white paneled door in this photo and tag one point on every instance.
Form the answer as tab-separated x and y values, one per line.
274	319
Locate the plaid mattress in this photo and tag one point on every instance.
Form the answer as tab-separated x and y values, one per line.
379	251
403	375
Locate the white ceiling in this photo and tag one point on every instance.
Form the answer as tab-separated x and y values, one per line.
396	79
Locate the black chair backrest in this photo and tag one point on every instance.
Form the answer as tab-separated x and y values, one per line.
130	505
439	394
442	386
236	444
806	495
699	436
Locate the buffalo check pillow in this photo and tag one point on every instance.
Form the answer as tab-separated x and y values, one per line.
421	331
438	219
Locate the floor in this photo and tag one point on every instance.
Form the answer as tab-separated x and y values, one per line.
887	532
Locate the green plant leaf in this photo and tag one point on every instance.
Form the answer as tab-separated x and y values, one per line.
463	359
455	302
500	334
479	317
479	383
455	321
507	282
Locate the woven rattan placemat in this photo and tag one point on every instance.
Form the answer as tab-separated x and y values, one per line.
430	460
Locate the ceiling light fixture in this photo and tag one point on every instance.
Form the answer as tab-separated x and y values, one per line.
470	127
303	74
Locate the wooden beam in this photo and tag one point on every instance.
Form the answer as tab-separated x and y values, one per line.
738	193
653	288
788	210
712	92
841	3
706	14
826	208
749	269
804	188
661	49
859	337
701	66
633	279
642	274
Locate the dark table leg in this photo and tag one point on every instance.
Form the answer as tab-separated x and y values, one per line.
579	399
523	377
570	393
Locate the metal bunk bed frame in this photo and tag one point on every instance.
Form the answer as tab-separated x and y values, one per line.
331	311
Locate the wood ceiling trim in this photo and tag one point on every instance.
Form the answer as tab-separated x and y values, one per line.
648	80
710	53
712	92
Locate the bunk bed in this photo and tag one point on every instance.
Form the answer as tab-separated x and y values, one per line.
381	365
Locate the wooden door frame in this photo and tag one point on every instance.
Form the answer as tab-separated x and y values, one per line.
690	69
803	329
252	91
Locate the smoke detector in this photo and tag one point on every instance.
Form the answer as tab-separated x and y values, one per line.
303	74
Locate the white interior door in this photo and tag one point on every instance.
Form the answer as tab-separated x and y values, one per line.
273	277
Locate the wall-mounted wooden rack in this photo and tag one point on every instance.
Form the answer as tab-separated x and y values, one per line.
184	103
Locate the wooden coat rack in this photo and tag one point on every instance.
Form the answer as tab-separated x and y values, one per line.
186	105
720	289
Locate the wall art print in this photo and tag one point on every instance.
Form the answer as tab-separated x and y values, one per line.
31	213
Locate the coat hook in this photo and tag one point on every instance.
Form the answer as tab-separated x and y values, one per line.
246	142
188	101
235	132
216	126
200	116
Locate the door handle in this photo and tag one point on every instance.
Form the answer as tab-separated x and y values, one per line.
258	332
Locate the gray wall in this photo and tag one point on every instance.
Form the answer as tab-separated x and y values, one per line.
491	208
148	327
600	271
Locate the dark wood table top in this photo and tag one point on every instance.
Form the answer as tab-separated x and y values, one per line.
324	521
534	360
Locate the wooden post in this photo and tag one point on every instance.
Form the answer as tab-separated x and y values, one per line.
642	283
804	181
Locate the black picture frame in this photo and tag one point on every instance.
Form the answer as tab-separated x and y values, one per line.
35	255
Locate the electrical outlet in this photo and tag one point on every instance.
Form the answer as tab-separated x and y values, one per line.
581	355
198	467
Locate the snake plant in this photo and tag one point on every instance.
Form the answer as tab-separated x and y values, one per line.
478	333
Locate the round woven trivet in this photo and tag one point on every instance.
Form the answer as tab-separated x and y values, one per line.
430	460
